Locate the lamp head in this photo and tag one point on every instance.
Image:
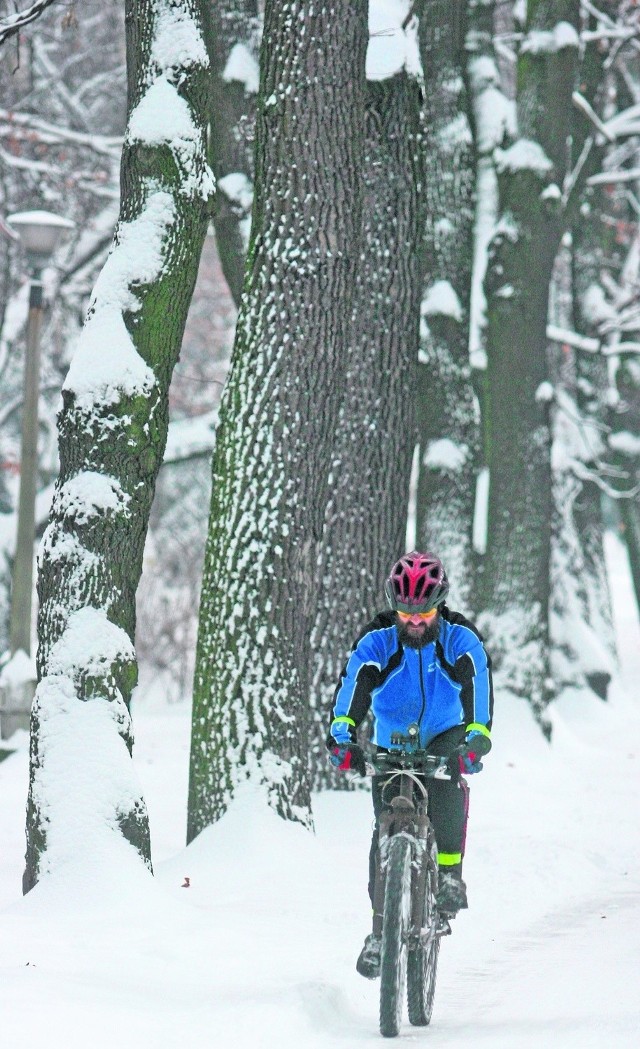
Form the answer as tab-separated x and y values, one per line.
40	233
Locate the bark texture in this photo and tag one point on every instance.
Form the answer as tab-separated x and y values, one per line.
279	414
625	455
233	38
531	174
112	433
366	516
448	414
582	633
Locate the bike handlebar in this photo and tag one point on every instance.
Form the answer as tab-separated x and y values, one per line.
420	762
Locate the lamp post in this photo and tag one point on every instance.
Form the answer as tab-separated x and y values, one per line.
40	233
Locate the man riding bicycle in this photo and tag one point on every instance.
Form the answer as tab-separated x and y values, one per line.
418	663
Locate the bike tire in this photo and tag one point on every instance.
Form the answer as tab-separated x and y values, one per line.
422	963
395	927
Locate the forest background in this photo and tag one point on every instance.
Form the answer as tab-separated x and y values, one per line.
426	216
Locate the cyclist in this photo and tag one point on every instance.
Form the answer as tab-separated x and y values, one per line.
418	663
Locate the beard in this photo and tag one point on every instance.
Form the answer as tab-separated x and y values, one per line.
428	633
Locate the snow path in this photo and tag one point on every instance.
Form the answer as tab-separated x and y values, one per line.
259	951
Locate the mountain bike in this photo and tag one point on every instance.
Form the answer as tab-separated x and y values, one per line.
405	913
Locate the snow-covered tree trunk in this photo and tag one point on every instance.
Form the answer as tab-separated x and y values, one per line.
366	517
448	416
624	445
83	794
279	414
233	37
581	626
515	581
494	126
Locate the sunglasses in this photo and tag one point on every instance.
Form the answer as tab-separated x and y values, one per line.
404	617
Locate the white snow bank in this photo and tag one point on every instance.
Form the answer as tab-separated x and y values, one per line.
85	780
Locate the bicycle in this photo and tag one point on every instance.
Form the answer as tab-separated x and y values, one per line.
405	913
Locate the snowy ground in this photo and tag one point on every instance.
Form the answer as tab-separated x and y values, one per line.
259	950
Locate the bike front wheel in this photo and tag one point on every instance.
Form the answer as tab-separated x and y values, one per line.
395	929
422	964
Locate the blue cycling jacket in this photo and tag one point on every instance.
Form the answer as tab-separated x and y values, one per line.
444	684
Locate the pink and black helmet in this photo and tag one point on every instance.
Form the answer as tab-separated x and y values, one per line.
416	583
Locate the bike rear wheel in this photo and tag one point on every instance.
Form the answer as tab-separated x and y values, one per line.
395	928
422	963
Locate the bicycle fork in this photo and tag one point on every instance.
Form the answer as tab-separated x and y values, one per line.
402	818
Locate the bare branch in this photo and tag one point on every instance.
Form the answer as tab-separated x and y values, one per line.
572	177
572	338
14	23
24	124
580	471
621	347
581	103
606	178
58	85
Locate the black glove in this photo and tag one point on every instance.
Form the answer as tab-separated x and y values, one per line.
348	757
475	747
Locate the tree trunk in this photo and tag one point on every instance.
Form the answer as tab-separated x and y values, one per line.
365	520
516	569
448	414
112	433
279	414
624	454
582	637
233	36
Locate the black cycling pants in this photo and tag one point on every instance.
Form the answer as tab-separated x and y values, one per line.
448	803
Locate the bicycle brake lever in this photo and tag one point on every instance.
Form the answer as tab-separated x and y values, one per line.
442	773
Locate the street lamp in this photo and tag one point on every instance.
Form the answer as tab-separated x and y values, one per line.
40	232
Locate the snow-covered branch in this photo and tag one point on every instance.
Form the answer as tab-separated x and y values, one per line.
621	348
607	178
70	103
581	103
14	23
583	473
572	338
24	125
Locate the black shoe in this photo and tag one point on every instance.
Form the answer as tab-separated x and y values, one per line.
451	896
368	963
